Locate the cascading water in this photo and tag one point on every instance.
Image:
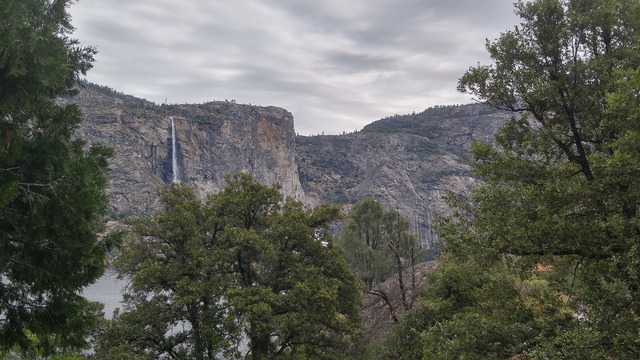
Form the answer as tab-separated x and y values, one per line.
174	153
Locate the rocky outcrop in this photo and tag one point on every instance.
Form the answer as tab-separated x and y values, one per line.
407	162
213	139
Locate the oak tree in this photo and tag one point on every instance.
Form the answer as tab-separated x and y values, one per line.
560	181
245	273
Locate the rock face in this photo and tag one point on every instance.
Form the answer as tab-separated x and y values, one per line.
213	139
407	162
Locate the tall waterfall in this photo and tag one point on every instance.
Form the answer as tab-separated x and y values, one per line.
174	153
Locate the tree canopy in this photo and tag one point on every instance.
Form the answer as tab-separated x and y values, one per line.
377	242
559	202
245	273
52	187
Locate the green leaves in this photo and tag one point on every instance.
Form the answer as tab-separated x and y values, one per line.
560	193
370	235
52	197
244	268
38	61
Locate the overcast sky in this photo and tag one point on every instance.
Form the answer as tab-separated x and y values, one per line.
337	65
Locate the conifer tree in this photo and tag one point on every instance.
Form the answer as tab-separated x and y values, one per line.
52	187
379	245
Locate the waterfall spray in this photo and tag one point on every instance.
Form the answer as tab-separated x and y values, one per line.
174	153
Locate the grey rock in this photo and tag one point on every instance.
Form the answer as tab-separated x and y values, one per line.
214	139
408	162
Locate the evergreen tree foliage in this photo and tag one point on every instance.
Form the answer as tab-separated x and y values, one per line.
483	310
479	308
404	341
174	296
246	274
362	237
377	243
560	192
52	188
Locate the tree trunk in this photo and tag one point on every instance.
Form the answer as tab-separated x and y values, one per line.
198	342
259	346
403	291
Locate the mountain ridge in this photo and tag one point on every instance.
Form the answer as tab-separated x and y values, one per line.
406	161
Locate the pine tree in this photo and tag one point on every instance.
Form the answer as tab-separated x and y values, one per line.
52	188
379	245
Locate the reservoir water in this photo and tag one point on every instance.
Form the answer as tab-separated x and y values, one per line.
107	290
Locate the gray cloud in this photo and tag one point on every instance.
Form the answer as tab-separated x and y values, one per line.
336	65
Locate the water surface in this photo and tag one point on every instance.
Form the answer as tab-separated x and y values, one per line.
107	290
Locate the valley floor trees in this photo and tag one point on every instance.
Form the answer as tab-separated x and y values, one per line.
378	245
244	273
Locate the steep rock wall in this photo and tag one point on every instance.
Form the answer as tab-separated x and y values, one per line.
407	162
214	139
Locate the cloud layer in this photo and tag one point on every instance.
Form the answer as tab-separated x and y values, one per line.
336	65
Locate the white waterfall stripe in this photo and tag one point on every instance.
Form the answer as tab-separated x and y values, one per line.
174	154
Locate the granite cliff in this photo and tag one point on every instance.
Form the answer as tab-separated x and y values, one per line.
213	139
408	162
